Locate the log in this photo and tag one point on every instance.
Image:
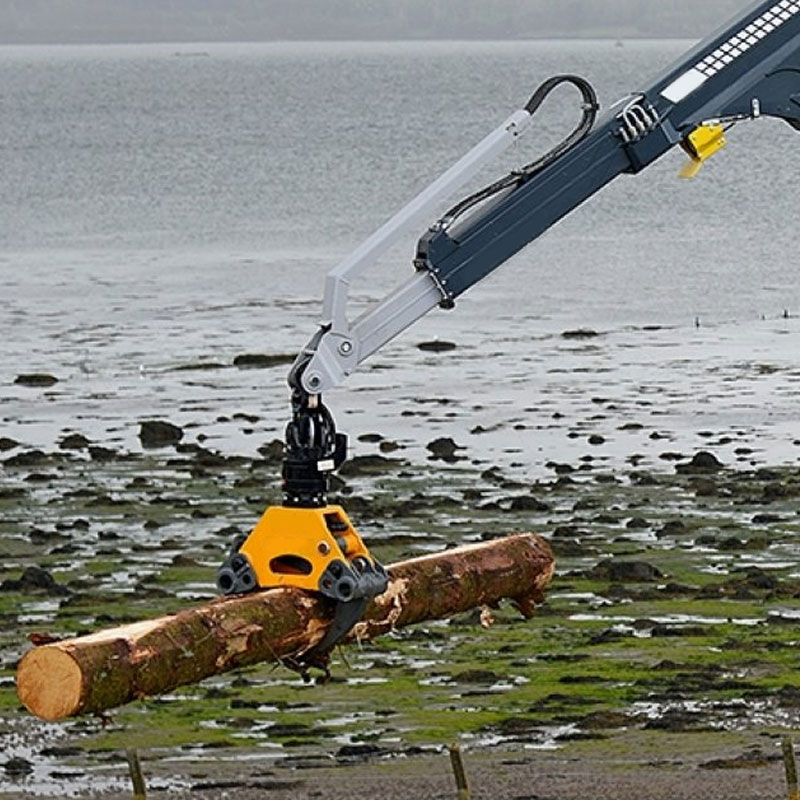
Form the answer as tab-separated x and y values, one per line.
94	673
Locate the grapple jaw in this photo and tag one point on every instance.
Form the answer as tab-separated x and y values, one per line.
317	549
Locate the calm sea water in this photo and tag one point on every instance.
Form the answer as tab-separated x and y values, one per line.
166	203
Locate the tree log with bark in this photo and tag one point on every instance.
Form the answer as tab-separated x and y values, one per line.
112	667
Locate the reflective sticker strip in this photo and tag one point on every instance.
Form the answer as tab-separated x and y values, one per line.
685	85
729	51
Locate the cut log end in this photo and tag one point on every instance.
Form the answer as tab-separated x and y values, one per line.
50	683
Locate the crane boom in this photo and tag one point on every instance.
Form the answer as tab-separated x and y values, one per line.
748	68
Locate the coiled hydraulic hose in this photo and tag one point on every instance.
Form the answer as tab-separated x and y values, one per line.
519	176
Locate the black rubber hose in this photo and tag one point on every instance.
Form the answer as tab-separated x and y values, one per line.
517	177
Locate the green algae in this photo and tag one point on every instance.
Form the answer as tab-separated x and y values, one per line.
590	649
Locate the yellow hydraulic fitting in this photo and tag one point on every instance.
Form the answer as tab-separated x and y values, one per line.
700	145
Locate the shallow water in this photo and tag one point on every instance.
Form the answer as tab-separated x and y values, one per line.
162	211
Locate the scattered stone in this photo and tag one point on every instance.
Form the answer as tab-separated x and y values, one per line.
262	360
637	523
620	571
436	346
98	453
370	438
7	444
596	439
580	333
527	503
368	465
476	676
75	441
157	433
28	458
700	463
36	379
34	578
358	752
673	527
388	446
766	519
444	449
517	726
18	766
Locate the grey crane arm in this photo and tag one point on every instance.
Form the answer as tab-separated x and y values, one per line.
748	68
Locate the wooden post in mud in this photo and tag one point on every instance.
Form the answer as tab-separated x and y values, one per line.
790	767
457	762
137	778
107	669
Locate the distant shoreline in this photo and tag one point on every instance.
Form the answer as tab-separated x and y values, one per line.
357	41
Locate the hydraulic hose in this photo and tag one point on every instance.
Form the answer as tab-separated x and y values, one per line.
519	176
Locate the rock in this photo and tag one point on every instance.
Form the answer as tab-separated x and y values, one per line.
637	523
370	438
18	766
476	676
36	379
157	433
262	360
34	578
560	469
7	444
673	527
527	502
360	751
517	726
436	346
388	446
368	465
98	453
596	439
700	463
272	451
75	441
580	333
633	571
766	519
444	449
28	458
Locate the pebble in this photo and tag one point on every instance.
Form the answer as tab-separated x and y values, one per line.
18	766
436	346
444	449
157	433
263	360
75	441
701	462
36	380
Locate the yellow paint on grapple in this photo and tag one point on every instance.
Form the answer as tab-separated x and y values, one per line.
700	145
294	546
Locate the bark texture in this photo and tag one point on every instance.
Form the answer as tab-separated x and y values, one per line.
112	667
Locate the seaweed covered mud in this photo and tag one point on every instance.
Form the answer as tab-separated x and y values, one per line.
664	656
